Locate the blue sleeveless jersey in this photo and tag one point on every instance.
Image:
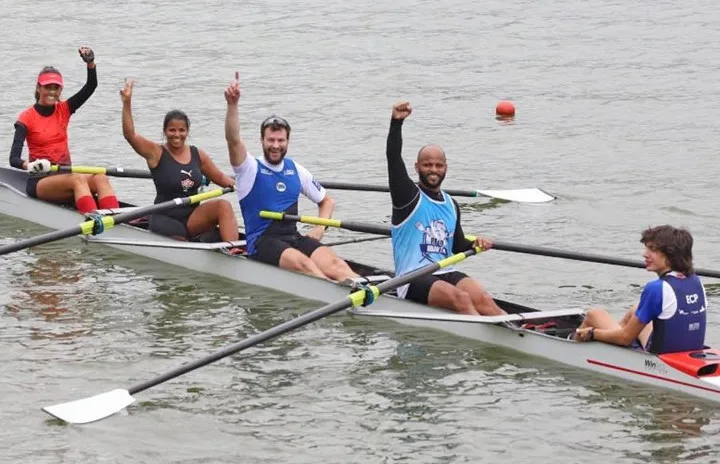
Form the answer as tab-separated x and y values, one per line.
426	236
677	308
271	191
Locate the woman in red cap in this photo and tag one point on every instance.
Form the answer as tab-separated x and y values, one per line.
44	127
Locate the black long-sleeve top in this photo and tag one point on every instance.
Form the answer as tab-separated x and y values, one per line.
405	193
74	102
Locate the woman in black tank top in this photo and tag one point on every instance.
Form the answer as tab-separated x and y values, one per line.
177	170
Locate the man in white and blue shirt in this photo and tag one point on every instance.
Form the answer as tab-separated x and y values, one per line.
274	183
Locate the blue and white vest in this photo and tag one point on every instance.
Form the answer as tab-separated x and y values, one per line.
677	308
426	236
271	191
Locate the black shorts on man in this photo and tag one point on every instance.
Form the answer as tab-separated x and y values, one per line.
419	289
268	248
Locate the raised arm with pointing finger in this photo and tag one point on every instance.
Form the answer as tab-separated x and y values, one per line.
237	150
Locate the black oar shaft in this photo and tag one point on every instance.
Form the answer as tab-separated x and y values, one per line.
40	240
382	188
300	321
498	245
145	174
356	240
584	257
278	330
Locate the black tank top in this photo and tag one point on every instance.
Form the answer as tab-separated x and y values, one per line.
173	179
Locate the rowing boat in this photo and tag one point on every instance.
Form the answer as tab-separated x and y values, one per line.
524	329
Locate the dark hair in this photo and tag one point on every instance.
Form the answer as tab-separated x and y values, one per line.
676	244
45	70
175	115
275	123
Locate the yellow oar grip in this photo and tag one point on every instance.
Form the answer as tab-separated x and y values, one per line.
316	221
81	169
205	195
88	170
472	238
271	215
454	259
87	226
320	221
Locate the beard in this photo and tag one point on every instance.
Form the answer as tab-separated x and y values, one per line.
268	155
431	184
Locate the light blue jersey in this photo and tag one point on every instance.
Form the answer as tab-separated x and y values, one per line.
426	236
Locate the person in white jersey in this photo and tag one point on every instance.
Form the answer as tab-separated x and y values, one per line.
426	228
274	182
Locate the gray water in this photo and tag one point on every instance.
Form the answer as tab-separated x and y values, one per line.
617	108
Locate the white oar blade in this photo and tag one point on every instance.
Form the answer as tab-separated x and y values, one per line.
92	408
531	195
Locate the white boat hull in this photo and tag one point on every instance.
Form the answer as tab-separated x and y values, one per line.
605	359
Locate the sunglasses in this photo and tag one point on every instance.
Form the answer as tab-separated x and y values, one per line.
274	121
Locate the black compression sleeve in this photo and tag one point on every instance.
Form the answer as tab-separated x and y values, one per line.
460	243
77	100
403	191
17	145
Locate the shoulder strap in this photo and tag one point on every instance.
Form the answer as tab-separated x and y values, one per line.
194	153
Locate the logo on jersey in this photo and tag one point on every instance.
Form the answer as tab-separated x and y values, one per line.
317	185
691	299
435	239
289	172
280	186
188	183
266	171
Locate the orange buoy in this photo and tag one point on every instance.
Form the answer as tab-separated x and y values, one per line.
505	108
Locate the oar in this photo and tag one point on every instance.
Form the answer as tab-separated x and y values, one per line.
497	245
378	229
99	223
106	404
529	195
115	172
356	240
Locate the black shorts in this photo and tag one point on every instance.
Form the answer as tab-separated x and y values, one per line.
172	223
31	190
31	186
269	248
419	289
